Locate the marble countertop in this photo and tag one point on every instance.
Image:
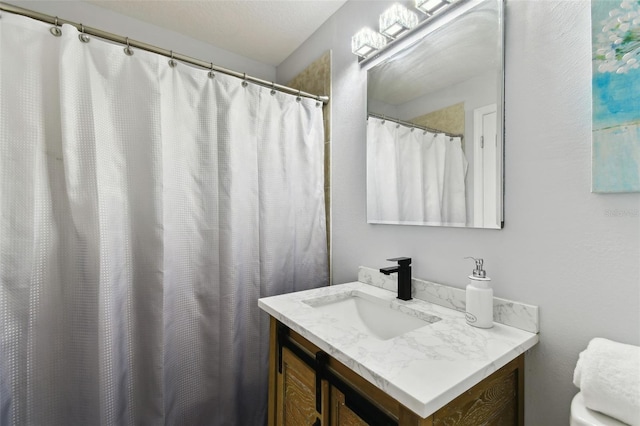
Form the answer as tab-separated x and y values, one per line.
423	369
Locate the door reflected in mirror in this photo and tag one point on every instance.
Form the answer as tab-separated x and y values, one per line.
435	123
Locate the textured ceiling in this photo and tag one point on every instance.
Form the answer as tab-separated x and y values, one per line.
266	31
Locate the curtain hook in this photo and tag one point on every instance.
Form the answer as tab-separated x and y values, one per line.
273	88
298	98
82	36
244	80
128	50
384	119
55	30
318	102
211	74
172	62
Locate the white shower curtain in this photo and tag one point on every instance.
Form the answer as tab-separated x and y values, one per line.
143	211
414	177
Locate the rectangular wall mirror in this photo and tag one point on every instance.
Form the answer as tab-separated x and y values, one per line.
435	145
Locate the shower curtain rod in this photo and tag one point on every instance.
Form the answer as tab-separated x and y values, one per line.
413	125
154	49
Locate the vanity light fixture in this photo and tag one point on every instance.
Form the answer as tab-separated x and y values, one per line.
367	41
430	7
396	20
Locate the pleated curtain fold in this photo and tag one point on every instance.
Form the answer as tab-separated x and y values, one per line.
144	209
414	177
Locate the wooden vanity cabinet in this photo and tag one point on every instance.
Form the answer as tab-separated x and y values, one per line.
307	387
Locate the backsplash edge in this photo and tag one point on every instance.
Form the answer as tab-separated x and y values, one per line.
508	312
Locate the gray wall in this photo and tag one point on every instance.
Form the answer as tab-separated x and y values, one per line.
573	253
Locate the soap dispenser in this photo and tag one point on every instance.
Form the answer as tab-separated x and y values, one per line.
479	297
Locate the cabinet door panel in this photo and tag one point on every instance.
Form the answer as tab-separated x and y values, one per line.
341	415
296	392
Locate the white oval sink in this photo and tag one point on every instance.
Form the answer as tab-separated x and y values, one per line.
376	317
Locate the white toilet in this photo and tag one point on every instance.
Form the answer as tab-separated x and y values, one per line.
582	416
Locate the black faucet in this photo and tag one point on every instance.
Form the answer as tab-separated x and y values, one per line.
404	276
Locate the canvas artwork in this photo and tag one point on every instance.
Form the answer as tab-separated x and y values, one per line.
616	95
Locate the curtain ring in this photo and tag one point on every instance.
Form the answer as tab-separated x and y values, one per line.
55	30
82	36
318	102
244	81
384	119
211	74
128	50
172	62
298	98
273	88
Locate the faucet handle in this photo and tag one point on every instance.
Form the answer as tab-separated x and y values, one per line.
402	261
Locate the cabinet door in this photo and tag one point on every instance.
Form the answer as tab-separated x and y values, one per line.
341	415
296	400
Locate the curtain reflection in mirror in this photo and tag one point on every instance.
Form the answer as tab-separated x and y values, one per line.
414	176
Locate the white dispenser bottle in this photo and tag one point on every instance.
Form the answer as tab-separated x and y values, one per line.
479	298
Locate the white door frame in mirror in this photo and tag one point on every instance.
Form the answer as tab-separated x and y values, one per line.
486	168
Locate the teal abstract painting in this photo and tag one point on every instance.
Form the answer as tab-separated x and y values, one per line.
616	95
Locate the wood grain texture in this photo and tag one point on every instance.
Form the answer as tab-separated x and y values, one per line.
480	404
296	396
273	372
520	372
508	416
341	415
409	418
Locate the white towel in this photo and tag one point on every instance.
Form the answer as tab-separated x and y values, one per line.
608	375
